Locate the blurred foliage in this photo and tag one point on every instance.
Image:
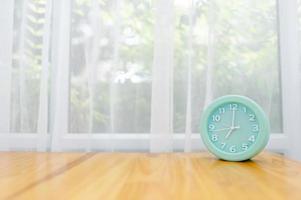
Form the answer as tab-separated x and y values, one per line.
245	56
122	91
112	41
28	35
245	60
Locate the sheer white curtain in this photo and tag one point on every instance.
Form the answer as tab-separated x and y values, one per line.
129	74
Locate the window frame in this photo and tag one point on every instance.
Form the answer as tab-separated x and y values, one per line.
290	75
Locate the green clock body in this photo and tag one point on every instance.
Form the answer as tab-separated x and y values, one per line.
234	128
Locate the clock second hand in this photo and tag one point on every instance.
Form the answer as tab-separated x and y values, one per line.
222	129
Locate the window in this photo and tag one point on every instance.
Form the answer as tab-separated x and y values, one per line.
83	72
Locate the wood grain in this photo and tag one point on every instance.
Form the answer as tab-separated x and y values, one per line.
146	176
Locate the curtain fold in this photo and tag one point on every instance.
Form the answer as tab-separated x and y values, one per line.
6	40
60	67
188	128
162	77
43	116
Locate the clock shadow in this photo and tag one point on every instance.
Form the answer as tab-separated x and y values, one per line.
252	173
254	163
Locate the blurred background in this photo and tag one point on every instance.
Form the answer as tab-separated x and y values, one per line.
132	75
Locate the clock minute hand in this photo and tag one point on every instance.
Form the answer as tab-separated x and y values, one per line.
233	118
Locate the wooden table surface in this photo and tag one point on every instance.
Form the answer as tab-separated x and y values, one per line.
146	176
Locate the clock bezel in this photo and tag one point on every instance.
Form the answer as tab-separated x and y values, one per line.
263	134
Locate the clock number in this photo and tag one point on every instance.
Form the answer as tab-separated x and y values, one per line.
255	128
251	117
233	106
232	149
244	109
222	110
211	127
252	138
216	118
214	138
244	146
223	145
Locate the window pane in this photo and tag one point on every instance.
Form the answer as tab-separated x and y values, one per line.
111	58
234	51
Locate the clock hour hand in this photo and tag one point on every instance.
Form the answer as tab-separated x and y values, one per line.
229	133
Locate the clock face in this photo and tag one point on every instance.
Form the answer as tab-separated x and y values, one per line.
234	128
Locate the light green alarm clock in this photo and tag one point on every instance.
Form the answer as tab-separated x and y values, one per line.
234	128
